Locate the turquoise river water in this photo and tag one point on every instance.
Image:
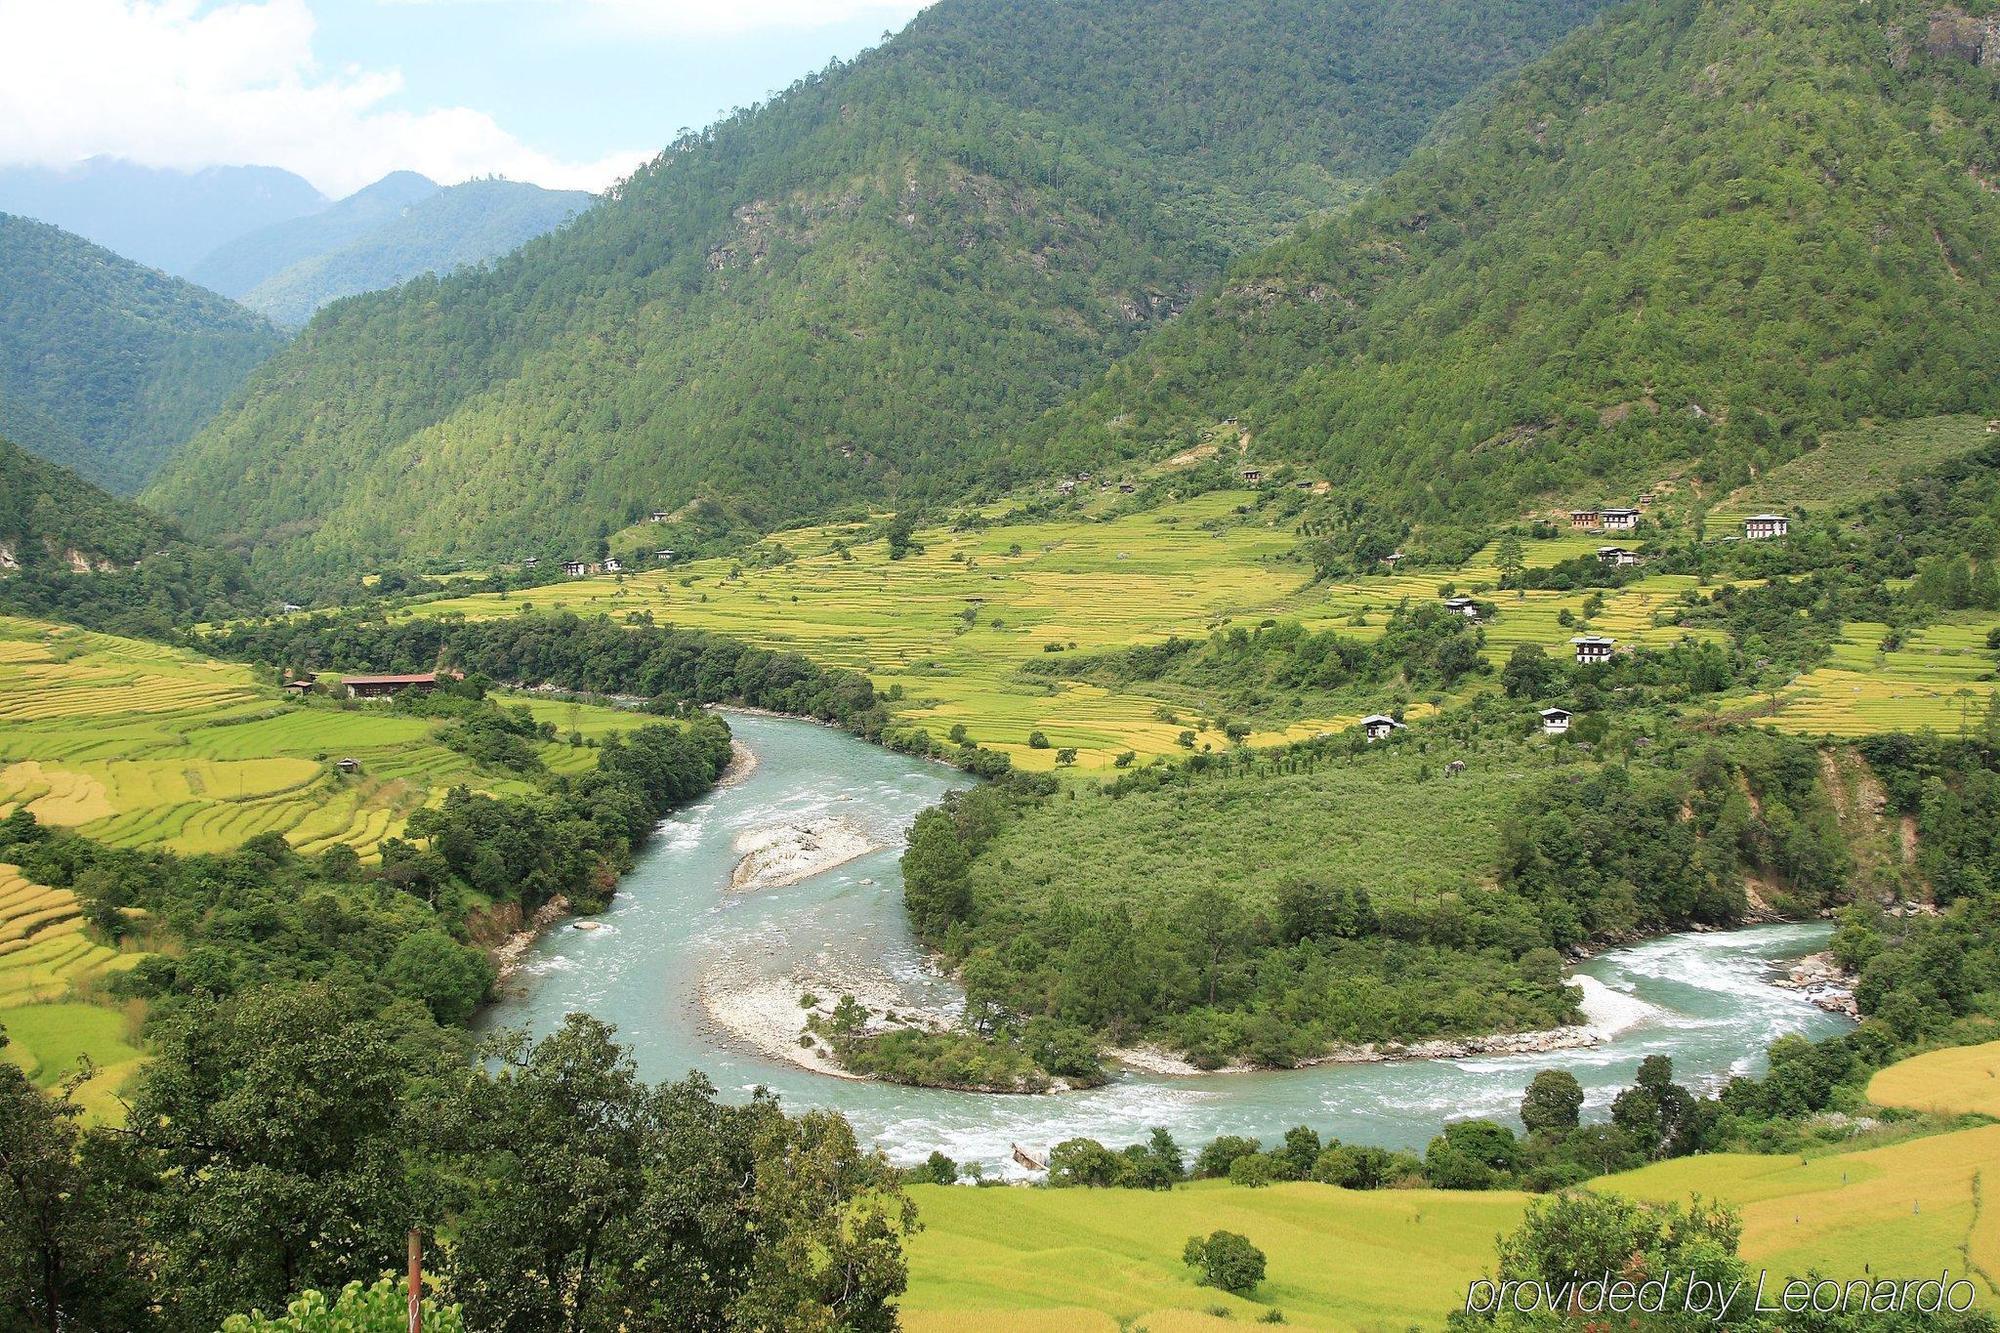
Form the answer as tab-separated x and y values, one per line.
678	949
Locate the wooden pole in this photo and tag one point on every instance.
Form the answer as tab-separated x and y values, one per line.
416	1281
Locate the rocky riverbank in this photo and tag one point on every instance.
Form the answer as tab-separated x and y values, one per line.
507	955
787	853
1820	978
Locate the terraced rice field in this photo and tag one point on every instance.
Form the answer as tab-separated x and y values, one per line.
1940	678
954	624
145	746
46	959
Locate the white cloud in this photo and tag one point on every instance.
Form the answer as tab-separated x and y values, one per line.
730	17
179	84
714	18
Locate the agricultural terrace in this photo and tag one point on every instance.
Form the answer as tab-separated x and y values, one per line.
953	624
136	744
46	963
1939	677
1040	1261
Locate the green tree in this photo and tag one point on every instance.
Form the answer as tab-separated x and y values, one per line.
66	1240
1225	1260
1552	1102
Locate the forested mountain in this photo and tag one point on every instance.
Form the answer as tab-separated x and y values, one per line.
1693	237
401	226
71	552
107	366
159	216
851	293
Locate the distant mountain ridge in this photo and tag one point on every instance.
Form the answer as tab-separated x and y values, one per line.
107	366
159	216
848	295
400	227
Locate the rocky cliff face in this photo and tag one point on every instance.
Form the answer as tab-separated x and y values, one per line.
1954	33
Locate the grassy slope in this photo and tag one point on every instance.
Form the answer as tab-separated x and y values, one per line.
1851	466
1035	1261
1363	816
1113	578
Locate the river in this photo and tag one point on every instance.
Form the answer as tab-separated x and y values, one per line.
676	929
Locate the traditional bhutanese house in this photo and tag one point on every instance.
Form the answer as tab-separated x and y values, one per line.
573	568
302	686
1617	555
381	687
658	516
348	765
1379	726
1253	475
1619	520
1757	527
1555	721
1584	518
531	562
1463	606
663	555
614	566
1593	649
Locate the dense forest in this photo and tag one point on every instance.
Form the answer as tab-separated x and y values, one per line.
108	367
848	293
70	552
396	229
1690	239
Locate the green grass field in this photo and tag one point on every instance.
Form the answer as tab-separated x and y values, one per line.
1363	814
1039	1261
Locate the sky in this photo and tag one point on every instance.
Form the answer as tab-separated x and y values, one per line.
569	94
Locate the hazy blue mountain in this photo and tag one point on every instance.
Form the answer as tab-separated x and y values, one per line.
157	215
235	267
397	229
107	366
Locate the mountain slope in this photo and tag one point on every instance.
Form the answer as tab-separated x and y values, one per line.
396	229
71	552
162	217
105	366
848	294
1692	238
